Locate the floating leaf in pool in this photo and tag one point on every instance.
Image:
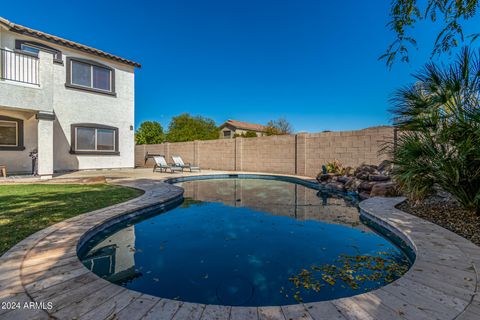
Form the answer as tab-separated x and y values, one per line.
297	297
328	279
352	271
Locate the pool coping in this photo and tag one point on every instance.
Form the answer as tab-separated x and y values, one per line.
443	282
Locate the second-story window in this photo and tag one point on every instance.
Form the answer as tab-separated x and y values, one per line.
30	49
84	74
90	76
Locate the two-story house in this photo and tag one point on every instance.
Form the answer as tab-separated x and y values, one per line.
72	103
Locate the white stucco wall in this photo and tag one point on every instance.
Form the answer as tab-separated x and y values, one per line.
71	106
75	106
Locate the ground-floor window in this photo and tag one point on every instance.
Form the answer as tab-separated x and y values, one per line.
11	133
94	139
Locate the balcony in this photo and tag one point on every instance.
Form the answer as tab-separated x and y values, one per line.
19	67
26	81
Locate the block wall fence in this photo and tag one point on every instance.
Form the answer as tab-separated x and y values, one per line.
300	154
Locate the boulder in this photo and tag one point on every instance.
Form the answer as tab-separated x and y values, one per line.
353	184
365	168
335	186
343	179
362	175
385	167
365	186
363	195
386	189
378	177
323	177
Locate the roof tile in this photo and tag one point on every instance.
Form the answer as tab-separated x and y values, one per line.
64	42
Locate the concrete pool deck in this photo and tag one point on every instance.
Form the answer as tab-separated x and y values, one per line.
443	283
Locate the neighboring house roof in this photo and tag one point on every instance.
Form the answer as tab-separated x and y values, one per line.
64	42
245	125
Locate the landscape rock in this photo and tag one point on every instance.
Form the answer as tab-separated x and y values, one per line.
378	177
365	186
338	186
365	168
343	179
366	180
362	175
386	189
364	195
353	184
323	177
385	167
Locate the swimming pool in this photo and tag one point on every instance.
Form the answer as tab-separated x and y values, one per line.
248	242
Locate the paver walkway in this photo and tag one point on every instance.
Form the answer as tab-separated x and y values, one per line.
44	268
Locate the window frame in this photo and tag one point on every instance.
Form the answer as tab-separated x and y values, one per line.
57	54
69	83
73	142
19	136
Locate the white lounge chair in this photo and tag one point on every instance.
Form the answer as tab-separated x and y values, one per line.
161	163
179	163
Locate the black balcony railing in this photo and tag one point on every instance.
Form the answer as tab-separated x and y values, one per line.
19	67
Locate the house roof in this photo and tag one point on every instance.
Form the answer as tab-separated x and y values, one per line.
245	125
64	42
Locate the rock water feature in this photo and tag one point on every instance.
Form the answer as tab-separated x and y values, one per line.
366	180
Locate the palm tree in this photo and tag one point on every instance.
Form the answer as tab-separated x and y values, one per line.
438	121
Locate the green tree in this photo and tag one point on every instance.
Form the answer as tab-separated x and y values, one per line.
450	14
187	128
149	132
279	127
438	118
250	134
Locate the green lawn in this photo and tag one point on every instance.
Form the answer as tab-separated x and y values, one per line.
27	208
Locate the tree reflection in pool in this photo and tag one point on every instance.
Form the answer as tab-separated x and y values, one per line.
248	242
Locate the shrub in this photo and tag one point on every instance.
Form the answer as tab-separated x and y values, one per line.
439	131
250	134
335	167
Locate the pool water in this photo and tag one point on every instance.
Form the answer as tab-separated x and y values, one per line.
247	242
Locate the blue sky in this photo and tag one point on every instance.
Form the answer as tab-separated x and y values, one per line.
313	62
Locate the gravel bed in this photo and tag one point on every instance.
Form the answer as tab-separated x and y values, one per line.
446	212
